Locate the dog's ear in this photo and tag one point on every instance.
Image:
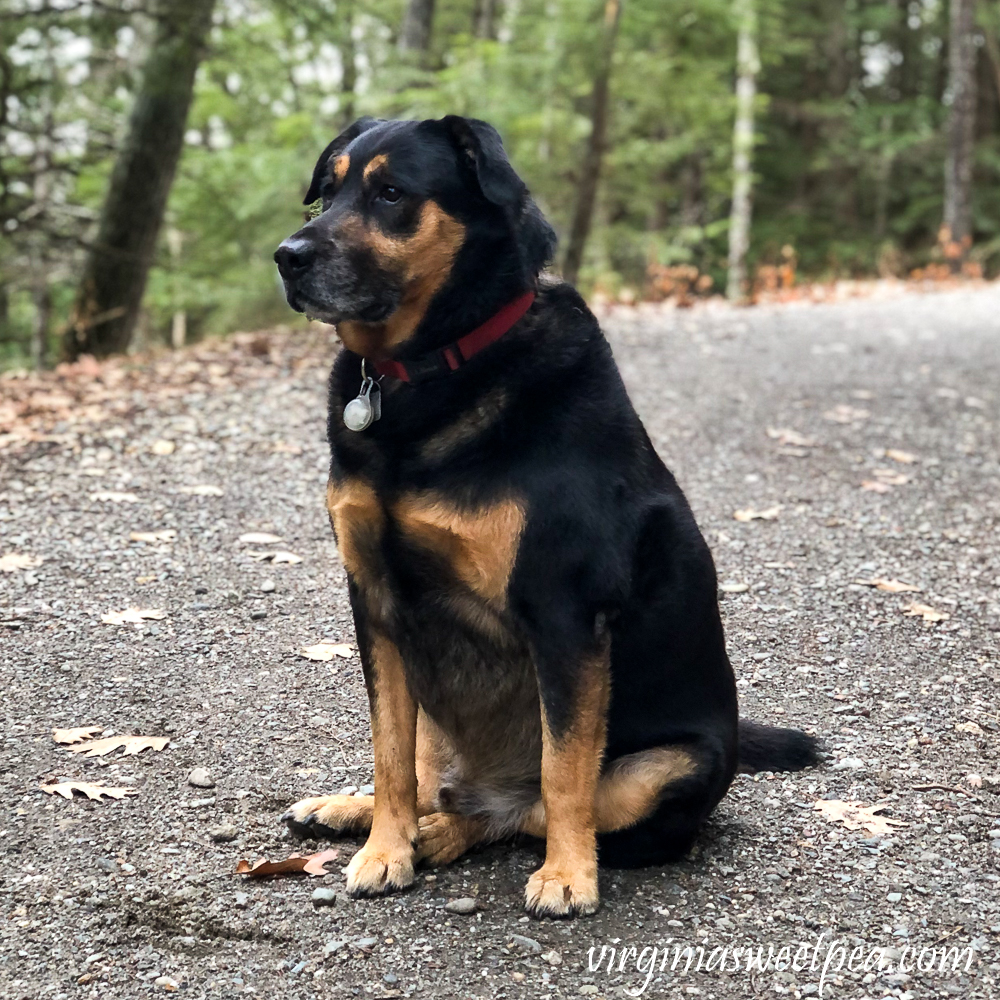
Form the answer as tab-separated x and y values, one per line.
335	149
483	148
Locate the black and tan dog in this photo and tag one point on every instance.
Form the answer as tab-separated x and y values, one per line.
536	610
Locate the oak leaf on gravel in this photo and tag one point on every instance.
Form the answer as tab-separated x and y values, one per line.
275	557
133	616
930	615
12	562
857	816
893	586
77	735
94	792
130	745
295	864
749	514
326	651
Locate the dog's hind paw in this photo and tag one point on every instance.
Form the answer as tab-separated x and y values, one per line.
328	816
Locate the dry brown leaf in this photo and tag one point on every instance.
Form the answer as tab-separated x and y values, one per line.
904	457
112	497
844	414
283	447
925	611
875	486
130	745
133	616
749	514
204	490
94	792
275	557
892	586
77	735
259	538
13	562
969	727
295	864
890	477
166	535
163	447
787	436
857	816
325	651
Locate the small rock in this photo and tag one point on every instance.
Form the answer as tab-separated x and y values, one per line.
201	777
994	834
332	947
165	982
241	899
348	789
527	943
366	790
223	834
268	586
552	957
466	905
364	942
894	897
588	990
297	968
257	615
390	978
324	897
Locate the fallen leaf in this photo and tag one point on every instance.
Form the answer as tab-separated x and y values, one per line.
67	788
259	538
857	816
749	514
166	535
904	457
77	735
163	447
925	611
132	616
892	586
204	490
974	780
112	497
13	562
844	414
890	477
875	486
326	651
130	745
288	449
275	557
145	579
785	435
970	727
295	864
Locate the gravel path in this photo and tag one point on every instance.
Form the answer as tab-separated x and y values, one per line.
782	410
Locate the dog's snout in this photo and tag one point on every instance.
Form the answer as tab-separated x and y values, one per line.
294	257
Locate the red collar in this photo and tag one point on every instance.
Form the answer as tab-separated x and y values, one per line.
454	355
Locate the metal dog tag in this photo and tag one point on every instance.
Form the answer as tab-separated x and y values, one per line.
362	411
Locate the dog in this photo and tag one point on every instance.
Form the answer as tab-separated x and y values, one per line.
536	610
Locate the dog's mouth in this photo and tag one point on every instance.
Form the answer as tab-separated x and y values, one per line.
329	312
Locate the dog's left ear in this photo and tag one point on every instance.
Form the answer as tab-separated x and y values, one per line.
482	145
334	150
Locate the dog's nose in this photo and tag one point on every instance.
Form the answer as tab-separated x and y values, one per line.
293	257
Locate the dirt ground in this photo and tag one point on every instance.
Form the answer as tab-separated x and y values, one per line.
783	410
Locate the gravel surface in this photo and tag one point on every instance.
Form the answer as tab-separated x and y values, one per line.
136	897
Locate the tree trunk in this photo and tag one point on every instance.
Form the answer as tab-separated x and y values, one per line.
484	19
583	213
747	67
956	229
43	322
417	24
114	275
349	73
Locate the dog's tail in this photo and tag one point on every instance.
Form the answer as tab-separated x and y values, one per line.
768	748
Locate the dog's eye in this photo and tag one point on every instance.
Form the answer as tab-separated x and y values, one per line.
390	194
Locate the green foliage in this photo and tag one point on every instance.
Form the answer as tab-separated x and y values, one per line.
848	167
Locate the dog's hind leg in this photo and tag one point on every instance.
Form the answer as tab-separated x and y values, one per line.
330	816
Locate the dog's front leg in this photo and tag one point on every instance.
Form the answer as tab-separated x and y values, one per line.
385	863
574	699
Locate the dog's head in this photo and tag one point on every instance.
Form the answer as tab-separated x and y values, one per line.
410	212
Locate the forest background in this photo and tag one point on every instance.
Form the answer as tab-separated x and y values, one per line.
848	138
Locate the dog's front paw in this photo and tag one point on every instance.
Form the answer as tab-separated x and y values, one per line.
328	816
378	869
556	892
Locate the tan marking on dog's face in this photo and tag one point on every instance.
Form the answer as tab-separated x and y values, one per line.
423	259
467	427
340	167
375	163
480	546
